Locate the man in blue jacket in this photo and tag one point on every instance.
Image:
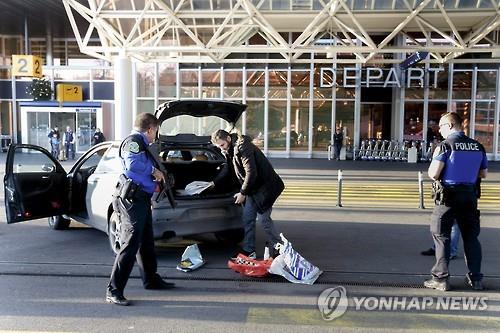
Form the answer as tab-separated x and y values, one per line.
142	177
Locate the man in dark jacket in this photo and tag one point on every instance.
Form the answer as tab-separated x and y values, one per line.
260	185
338	138
98	136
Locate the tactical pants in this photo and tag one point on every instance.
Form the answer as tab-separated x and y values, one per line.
459	205
137	244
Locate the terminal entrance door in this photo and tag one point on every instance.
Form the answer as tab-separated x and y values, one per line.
376	109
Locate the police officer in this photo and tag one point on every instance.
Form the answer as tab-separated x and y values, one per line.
135	212
457	163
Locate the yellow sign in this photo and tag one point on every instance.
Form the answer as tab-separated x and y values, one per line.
26	65
69	93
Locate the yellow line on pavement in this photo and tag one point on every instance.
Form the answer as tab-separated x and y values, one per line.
379	319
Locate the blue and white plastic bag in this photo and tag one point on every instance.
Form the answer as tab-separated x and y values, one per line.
292	266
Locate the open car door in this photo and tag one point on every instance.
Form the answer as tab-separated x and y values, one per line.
35	184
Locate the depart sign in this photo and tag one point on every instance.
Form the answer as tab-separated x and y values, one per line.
377	77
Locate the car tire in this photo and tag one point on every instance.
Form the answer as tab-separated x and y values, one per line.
58	222
114	234
230	237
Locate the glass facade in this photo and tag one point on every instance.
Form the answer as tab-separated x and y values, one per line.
292	112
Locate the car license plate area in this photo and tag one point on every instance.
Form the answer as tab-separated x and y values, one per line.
206	213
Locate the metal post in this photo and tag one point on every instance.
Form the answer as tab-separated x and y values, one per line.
421	190
339	191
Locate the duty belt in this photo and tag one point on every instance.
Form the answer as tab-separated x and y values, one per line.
461	187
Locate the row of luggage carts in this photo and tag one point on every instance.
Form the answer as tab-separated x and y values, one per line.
391	150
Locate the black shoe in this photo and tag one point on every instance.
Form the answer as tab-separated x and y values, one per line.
117	299
159	285
475	285
453	257
251	255
429	252
442	285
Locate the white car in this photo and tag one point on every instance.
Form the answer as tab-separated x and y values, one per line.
37	186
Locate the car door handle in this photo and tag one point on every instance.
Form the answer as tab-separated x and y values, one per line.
45	177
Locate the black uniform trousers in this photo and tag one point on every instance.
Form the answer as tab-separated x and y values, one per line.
461	206
137	244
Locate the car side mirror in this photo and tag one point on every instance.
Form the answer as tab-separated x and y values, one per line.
48	168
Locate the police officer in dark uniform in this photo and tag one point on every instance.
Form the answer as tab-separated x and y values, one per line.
140	179
458	163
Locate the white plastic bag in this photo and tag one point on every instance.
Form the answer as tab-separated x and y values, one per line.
191	259
292	266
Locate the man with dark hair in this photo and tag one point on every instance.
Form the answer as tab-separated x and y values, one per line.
338	139
457	164
133	204
260	185
98	136
69	143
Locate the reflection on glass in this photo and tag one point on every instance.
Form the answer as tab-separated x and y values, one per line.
484	123
413	124
322	122
167	81
462	83
189	84
30	160
486	84
255	122
145	79
441	90
38	128
255	83
463	109
345	120
277	126
300	124
277	84
210	84
300	84
201	126
86	127
233	84
375	121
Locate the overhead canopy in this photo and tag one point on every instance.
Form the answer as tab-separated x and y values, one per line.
258	31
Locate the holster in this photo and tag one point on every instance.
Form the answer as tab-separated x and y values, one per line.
126	188
438	192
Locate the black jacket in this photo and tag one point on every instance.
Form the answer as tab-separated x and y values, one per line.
254	172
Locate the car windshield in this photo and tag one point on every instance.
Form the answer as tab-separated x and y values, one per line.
201	126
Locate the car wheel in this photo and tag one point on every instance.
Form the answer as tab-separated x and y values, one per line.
58	222
114	233
230	237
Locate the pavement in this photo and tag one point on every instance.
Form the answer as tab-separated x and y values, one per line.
352	246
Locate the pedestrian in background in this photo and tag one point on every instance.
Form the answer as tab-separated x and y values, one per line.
54	145
135	212
98	136
458	163
69	143
260	186
338	139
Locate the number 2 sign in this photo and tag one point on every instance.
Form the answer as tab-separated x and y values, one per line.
26	65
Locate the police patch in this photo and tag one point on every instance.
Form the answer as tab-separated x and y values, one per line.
133	147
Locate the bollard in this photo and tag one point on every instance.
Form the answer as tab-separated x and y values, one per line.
339	190
421	190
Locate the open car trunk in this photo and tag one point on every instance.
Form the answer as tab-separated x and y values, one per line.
197	164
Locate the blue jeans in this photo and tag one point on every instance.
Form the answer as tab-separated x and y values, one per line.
454	239
249	217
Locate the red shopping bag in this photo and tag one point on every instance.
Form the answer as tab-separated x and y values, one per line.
250	267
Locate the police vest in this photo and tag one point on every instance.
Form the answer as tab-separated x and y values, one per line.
463	158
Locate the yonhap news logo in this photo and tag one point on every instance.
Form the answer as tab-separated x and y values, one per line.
333	303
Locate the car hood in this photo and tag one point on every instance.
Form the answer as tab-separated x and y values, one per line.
228	111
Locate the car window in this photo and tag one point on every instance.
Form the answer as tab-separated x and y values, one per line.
192	125
178	155
30	160
110	162
94	159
